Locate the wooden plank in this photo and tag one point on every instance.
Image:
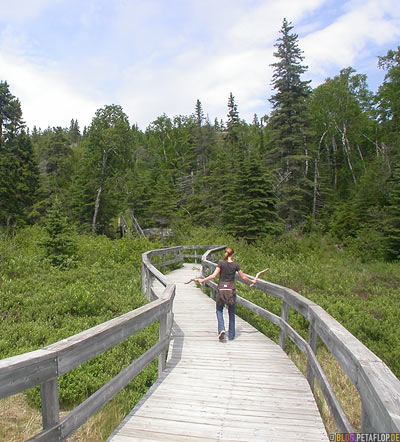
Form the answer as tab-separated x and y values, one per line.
222	391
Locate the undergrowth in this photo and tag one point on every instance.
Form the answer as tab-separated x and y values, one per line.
40	304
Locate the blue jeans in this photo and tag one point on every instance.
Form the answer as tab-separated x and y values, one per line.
220	319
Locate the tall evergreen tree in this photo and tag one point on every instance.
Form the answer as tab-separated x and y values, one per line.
255	205
74	134
57	160
290	127
10	113
200	138
393	209
233	126
59	246
19	178
19	173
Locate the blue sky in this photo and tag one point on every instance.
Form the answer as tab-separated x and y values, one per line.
65	59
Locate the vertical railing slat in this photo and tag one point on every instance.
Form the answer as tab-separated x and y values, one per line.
162	334
312	340
50	403
285	317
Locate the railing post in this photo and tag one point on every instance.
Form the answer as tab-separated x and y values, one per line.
162	334
285	317
144	280
366	425
312	340
146	283
50	404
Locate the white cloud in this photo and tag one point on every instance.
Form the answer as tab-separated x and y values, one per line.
46	97
155	57
352	36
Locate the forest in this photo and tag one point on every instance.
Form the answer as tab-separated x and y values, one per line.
313	189
324	160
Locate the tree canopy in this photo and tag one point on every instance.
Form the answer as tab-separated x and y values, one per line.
324	159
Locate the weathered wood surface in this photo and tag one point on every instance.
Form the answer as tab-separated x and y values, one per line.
241	390
378	387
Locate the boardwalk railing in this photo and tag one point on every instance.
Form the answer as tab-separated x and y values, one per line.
44	367
378	387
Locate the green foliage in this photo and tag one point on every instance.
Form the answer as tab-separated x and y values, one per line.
319	162
388	96
393	208
10	114
362	296
254	213
59	245
290	127
40	305
19	177
97	194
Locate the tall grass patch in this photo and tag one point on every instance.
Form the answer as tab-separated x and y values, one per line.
41	304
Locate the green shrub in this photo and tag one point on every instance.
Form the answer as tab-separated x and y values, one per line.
41	304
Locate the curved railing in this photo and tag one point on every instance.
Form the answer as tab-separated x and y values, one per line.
378	387
44	367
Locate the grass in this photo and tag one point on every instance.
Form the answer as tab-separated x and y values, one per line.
40	305
363	295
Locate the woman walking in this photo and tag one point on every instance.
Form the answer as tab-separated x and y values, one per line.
227	269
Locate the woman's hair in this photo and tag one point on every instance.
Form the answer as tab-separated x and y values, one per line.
228	252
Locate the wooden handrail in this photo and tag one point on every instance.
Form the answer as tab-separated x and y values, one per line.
378	387
43	367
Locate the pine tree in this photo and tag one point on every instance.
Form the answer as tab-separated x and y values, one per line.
59	246
255	206
19	178
290	127
10	113
233	124
57	160
393	209
199	138
74	134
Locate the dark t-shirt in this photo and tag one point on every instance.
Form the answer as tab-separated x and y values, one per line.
228	270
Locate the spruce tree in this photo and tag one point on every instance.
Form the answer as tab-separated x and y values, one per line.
255	205
393	210
10	113
74	134
19	178
227	165
59	246
233	128
290	127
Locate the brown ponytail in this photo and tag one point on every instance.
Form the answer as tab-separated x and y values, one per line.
228	252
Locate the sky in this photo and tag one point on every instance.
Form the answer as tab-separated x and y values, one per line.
65	59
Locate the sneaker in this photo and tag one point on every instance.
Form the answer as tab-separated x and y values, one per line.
221	336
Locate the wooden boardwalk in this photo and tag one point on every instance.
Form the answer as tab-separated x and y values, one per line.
241	390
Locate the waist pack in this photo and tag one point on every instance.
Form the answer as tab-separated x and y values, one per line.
226	293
